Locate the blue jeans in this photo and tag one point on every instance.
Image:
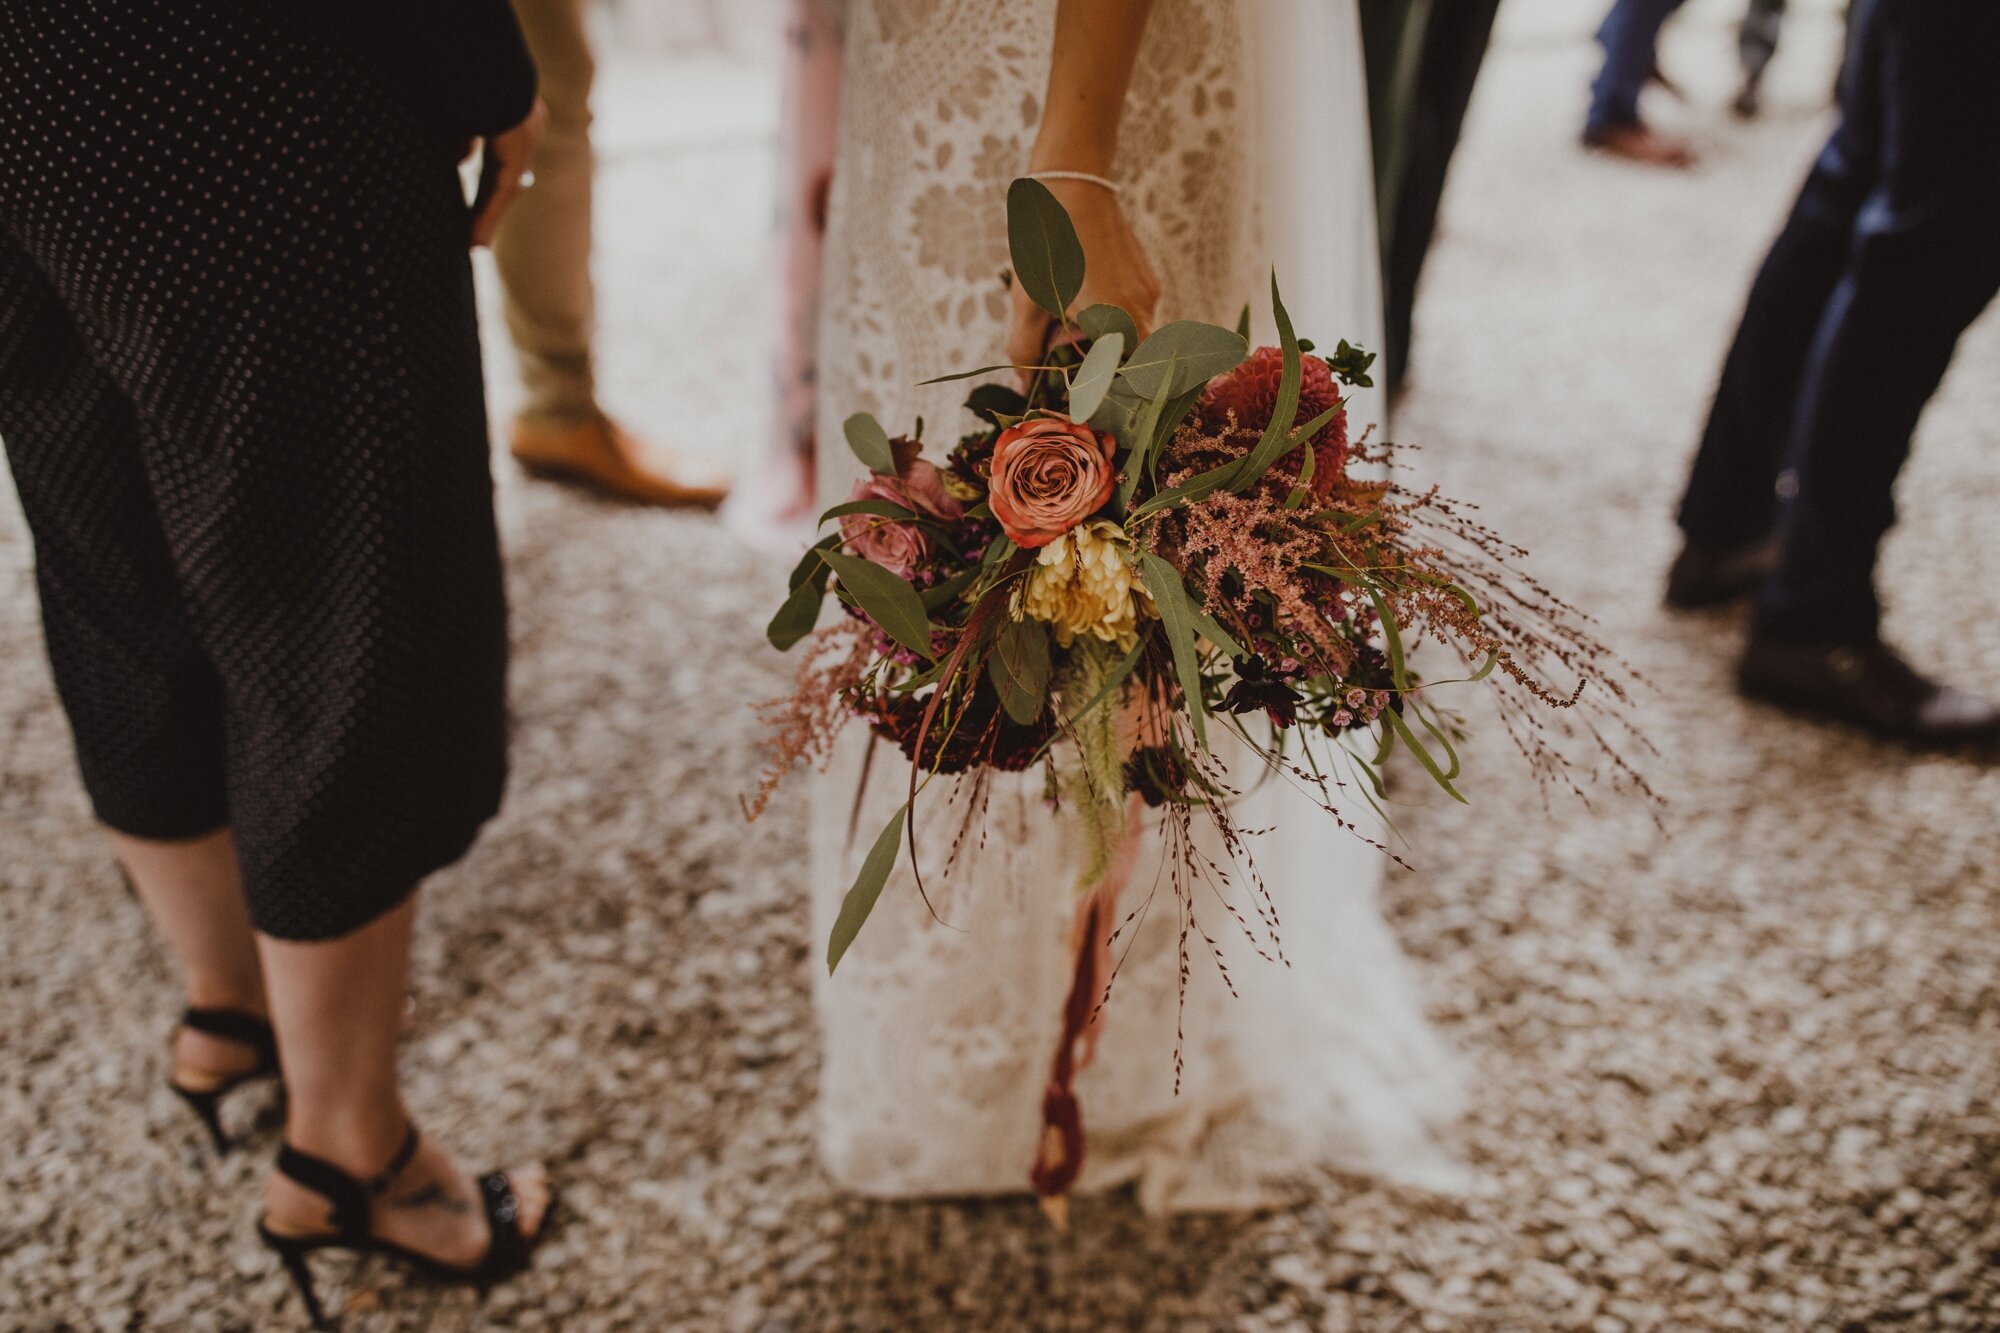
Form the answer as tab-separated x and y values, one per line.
1630	36
1891	251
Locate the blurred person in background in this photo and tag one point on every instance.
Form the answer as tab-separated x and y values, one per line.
1756	43
1423	57
1630	36
543	253
1891	251
772	504
241	398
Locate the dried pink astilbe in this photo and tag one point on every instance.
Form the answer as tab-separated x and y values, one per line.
800	728
1252	543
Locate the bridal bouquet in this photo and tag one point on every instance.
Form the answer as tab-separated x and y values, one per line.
1153	542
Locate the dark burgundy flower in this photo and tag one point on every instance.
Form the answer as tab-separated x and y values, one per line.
1251	392
1257	686
980	735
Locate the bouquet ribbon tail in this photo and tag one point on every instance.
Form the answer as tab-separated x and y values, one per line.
1059	1151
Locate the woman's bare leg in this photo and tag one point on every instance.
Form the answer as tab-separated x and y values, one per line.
193	891
338	1006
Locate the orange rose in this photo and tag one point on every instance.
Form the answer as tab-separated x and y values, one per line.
1048	476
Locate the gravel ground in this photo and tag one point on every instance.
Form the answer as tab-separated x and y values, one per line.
1739	1073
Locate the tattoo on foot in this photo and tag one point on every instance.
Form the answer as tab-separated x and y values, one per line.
432	1196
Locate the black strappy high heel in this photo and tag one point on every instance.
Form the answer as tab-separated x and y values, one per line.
245	1029
507	1252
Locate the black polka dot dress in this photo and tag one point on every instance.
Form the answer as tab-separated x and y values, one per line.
240	393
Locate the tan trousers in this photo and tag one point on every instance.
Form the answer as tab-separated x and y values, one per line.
543	246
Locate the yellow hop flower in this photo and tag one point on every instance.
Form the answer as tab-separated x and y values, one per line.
1083	584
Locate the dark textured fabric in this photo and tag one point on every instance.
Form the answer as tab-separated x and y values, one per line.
461	66
1891	251
1423	61
240	393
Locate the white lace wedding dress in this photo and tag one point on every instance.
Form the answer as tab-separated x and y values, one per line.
1244	145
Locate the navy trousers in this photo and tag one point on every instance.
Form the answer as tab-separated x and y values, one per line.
1892	249
1630	36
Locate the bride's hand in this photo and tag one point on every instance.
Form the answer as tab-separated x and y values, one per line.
1116	271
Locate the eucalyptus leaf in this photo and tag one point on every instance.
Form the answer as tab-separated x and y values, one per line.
1367	770
800	612
1211	629
1259	461
1199	352
930	675
1115	413
1450	752
1170	597
1243	323
1019	666
969	374
1142	438
1170	421
870	442
889	601
1098	320
1204	624
811	565
1093	378
1305	481
797	617
860	899
872	508
1194	488
1177	412
1392	638
1284	413
1048	259
1403	732
993	401
1388	746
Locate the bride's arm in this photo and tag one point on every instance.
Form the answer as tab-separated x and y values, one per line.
1096	46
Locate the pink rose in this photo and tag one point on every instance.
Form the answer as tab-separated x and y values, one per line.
899	545
1048	476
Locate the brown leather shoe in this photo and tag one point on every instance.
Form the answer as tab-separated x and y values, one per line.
1636	143
1867	686
599	454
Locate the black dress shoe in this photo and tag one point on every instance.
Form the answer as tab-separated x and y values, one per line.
1705	576
1867	686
